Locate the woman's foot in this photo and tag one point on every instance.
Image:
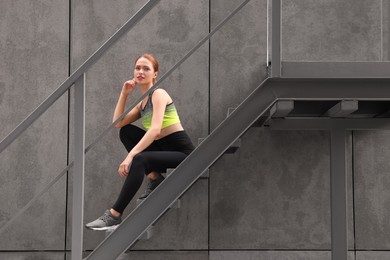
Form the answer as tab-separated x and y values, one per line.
151	186
105	222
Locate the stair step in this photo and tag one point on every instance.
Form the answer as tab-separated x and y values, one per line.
234	147
145	236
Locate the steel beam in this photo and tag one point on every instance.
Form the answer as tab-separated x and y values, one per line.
301	69
276	69
282	108
331	89
342	109
78	169
329	123
338	201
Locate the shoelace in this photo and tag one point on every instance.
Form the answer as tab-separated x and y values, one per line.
105	217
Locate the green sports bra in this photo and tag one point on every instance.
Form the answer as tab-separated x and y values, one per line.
170	116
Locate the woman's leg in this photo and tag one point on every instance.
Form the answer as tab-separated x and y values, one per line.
143	163
130	135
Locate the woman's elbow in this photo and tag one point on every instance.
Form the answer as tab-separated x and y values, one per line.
155	132
118	125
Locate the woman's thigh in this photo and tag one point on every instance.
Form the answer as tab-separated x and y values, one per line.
159	161
130	135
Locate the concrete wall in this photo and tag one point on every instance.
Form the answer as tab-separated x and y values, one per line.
269	200
333	30
34	61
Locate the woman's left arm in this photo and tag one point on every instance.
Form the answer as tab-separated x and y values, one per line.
160	99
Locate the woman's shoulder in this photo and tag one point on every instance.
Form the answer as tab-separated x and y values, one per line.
160	93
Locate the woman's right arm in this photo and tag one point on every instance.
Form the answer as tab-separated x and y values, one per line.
133	115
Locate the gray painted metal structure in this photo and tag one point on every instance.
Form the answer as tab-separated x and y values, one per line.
338	176
276	70
282	87
379	69
248	112
79	166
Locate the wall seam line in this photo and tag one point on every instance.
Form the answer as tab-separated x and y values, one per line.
68	134
209	129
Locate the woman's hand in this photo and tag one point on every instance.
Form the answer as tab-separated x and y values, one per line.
129	86
125	166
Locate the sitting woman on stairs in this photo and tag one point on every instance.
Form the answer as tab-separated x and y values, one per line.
164	145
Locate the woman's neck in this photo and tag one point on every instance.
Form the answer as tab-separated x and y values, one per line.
145	88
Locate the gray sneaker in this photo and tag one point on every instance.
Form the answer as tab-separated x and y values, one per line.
105	222
151	186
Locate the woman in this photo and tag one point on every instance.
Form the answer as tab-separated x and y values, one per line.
164	145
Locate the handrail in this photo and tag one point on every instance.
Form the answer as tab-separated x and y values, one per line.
75	75
100	137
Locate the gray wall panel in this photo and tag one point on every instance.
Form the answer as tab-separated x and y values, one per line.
42	227
273	193
332	30
32	256
372	255
158	255
93	22
237	55
34	61
33	56
371	151
270	255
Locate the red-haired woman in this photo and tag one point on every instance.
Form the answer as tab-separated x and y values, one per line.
164	145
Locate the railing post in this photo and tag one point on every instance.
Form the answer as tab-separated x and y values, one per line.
78	170
276	67
338	190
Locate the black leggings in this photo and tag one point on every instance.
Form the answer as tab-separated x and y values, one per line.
167	152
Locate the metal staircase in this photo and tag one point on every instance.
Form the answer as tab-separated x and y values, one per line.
335	103
77	79
278	104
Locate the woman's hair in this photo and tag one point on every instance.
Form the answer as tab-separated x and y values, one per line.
152	59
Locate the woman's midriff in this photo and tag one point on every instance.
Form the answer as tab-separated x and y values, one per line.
170	130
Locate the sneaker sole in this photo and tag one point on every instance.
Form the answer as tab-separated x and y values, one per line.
109	228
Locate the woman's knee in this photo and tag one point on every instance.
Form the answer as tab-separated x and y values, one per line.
127	132
140	159
123	132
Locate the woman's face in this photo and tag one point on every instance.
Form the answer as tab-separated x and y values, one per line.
144	72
